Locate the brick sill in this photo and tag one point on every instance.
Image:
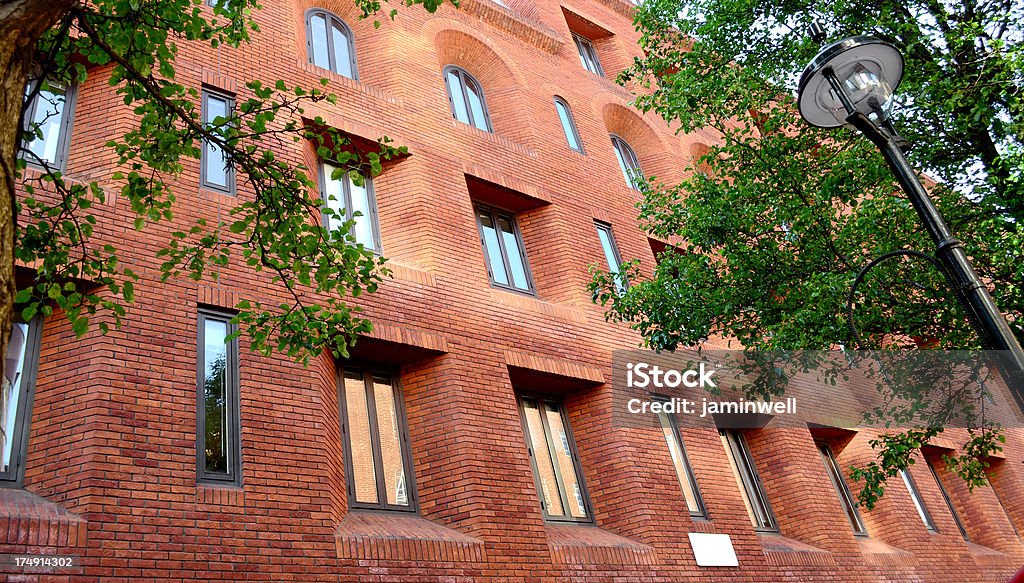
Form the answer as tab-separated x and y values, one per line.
985	556
403	537
520	26
577	544
29	523
877	552
780	550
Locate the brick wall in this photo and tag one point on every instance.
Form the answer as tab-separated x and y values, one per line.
111	466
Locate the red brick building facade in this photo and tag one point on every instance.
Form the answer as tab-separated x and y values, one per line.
442	478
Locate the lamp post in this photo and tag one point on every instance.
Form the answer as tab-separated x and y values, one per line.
850	83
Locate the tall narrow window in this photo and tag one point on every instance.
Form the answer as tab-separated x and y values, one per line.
466	98
218	429
1002	507
568	124
48	119
350	201
743	469
687	482
217	172
948	500
556	467
329	43
915	496
588	56
611	253
503	250
16	394
839	483
377	456
628	162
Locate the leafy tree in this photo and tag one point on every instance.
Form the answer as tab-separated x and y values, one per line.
775	220
133	44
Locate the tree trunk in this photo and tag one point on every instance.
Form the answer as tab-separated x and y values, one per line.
22	22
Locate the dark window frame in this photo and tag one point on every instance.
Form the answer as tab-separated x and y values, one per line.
495	212
465	77
572	125
750	478
691	477
229	170
602	226
835	475
369	372
332	54
918	500
346	190
66	126
14	477
947	499
232	398
587	53
563	493
622	148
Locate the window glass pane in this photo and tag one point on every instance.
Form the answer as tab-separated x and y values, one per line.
318	41
214	160
627	162
48	118
609	248
515	254
334	196
360	443
476	105
949	502
215	355
458	102
567	125
342	57
542	458
582	50
845	497
681	464
565	463
10	393
745	473
363	230
390	441
493	248
915	496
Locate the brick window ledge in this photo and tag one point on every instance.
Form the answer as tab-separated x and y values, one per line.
988	557
575	544
780	550
29	523
877	552
403	537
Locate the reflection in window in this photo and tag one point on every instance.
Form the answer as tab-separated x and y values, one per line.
588	56
611	254
217	171
568	124
684	473
915	496
466	98
745	472
628	163
379	467
15	398
839	483
556	467
330	44
948	500
218	431
503	250
351	202
48	119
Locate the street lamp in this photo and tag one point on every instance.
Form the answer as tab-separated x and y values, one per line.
850	83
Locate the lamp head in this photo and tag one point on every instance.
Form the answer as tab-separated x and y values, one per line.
867	69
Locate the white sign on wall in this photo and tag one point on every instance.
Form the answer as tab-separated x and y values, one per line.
713	550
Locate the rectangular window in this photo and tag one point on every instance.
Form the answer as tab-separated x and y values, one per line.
16	395
611	253
588	56
745	472
377	455
350	201
948	500
845	496
677	450
219	449
217	171
556	468
915	496
503	250
48	117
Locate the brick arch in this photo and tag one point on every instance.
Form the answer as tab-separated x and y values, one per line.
503	85
652	152
368	62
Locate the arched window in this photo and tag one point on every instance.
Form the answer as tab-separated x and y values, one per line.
568	124
627	162
466	98
329	43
